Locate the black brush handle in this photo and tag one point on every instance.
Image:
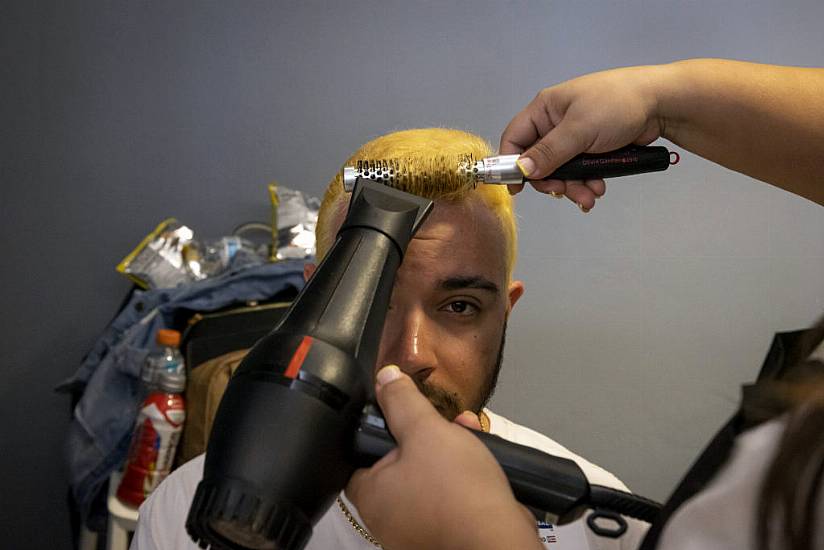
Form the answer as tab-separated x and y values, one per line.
633	159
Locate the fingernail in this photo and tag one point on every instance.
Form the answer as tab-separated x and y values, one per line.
388	374
584	210
526	165
556	195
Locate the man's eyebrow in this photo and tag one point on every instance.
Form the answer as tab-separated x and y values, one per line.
468	281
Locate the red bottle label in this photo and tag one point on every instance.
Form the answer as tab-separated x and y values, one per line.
152	451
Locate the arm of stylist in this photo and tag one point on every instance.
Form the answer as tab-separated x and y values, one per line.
448	477
765	121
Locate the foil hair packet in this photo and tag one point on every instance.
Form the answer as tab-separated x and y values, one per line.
157	262
297	216
170	255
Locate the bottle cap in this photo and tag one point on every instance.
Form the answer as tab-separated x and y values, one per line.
168	337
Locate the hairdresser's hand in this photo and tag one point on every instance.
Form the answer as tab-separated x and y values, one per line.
441	487
595	113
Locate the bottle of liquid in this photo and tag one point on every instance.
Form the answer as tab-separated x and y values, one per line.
166	358
154	442
211	258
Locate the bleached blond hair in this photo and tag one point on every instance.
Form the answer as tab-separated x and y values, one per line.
423	145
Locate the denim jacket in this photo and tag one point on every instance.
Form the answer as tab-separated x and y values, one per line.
102	422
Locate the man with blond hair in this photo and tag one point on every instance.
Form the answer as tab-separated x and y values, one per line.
445	327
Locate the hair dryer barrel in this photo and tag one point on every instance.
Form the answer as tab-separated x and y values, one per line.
281	446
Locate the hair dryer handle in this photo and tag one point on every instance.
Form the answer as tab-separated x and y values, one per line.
549	483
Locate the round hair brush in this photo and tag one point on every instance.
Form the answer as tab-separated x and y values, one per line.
457	173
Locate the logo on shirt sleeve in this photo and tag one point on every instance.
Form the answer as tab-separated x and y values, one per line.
546	533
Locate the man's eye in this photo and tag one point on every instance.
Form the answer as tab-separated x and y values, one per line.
461	307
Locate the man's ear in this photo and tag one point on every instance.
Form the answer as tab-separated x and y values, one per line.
516	290
308	270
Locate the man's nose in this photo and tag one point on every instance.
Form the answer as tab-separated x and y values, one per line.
406	342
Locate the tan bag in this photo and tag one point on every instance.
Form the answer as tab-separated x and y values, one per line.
204	390
214	344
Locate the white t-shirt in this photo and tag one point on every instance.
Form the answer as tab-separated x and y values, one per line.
161	524
722	516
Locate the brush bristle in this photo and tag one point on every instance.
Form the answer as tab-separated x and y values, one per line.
449	176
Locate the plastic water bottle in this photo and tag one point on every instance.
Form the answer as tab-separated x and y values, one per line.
159	421
211	258
167	358
154	442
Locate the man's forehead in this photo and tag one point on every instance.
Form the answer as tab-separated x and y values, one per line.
465	230
449	219
459	239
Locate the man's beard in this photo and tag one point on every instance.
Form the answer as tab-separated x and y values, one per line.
450	404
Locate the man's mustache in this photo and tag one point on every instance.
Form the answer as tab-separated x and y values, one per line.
447	403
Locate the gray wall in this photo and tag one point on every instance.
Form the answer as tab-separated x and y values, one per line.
640	320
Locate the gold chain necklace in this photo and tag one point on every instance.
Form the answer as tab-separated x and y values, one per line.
484	420
357	526
485	424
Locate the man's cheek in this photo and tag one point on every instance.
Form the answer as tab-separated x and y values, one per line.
484	343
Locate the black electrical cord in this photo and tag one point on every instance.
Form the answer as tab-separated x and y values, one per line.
628	504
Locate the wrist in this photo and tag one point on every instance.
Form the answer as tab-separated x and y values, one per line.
687	91
667	83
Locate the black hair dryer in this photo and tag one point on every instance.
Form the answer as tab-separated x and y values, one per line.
298	416
282	443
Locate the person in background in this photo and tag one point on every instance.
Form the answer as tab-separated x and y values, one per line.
764	121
